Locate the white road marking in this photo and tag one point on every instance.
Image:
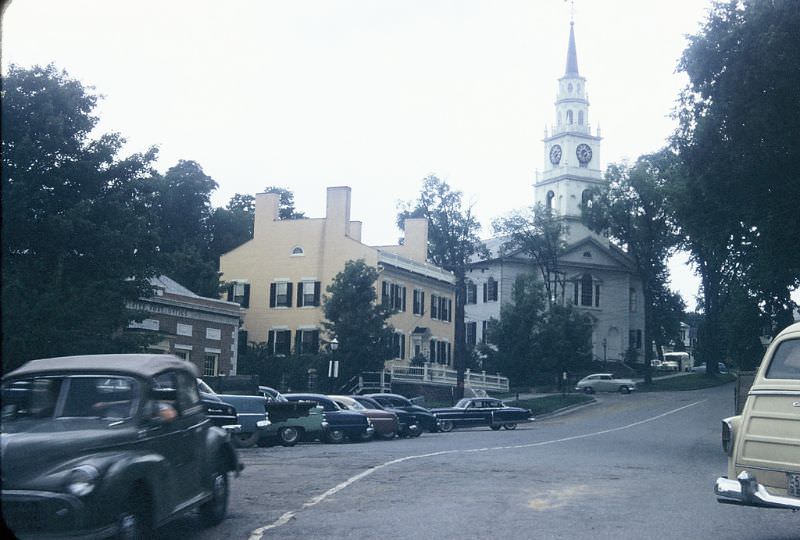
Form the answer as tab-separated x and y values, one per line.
257	534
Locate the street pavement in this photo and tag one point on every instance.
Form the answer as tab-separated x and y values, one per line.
632	466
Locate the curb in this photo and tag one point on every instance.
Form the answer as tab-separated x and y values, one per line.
567	409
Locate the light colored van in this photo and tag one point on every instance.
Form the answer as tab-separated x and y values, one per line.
680	360
763	443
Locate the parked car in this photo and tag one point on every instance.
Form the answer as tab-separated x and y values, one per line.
251	412
763	443
407	425
669	365
479	411
385	423
701	368
221	414
605	382
424	417
291	421
109	445
341	424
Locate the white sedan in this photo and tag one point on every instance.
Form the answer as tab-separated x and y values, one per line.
605	382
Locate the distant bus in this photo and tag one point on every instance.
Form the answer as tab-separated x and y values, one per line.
678	361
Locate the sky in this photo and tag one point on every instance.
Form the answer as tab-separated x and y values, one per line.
372	94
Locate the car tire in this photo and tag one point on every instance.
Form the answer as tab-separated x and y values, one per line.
215	509
624	390
495	427
446	426
387	436
245	440
335	436
415	433
588	390
510	426
289	435
134	522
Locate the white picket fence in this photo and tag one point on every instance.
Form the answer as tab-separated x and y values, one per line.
433	374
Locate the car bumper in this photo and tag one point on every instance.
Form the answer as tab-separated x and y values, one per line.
746	490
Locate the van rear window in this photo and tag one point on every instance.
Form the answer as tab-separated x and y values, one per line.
786	361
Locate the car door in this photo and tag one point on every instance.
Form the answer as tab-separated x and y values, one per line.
604	384
194	428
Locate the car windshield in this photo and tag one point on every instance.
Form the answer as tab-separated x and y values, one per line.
69	397
786	361
462	404
203	387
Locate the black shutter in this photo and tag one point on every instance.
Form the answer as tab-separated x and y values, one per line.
434	306
485	293
404	299
298	345
432	350
316	294
270	342
300	294
402	346
449	310
287	342
289	294
314	342
272	294
422	303
246	299
384	293
230	292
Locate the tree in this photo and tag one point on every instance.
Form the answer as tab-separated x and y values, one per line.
452	241
183	207
232	225
633	211
286	209
538	234
356	320
738	143
78	239
534	339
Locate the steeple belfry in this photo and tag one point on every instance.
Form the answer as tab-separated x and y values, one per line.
571	153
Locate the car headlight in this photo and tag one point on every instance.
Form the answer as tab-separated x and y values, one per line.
82	480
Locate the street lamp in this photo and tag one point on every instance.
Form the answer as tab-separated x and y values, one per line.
333	363
605	348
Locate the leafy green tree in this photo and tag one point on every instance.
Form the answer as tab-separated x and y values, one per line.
183	208
633	211
77	236
232	225
739	143
357	320
453	239
286	209
536	341
538	234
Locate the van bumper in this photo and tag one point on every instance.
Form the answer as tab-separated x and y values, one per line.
746	490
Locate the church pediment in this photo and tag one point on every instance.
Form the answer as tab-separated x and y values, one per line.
589	252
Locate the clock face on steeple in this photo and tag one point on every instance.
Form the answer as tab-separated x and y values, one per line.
555	154
583	153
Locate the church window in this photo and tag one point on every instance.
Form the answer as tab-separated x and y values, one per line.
569	117
580	118
633	301
569	88
586	290
586	198
597	295
549	203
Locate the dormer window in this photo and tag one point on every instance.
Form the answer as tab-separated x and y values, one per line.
297	251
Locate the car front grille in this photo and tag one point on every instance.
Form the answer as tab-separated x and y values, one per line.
38	515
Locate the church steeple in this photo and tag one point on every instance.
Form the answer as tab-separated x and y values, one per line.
572	54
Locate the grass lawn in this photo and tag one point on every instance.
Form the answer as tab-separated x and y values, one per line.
552	403
694	381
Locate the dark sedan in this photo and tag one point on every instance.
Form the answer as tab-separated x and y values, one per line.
475	412
407	423
424	417
340	424
251	412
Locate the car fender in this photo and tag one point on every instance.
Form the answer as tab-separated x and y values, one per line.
218	443
130	472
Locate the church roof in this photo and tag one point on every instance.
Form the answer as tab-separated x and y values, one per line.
572	54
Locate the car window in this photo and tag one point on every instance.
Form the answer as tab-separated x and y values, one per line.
785	361
188	396
108	397
31	398
462	404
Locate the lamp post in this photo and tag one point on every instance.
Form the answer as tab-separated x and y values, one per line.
605	348
333	363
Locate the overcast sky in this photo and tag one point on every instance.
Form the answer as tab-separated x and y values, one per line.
373	94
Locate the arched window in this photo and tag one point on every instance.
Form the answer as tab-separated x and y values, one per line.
586	290
586	198
297	251
549	201
569	88
580	118
569	117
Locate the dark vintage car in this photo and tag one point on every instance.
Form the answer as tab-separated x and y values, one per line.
341	424
425	417
291	421
220	414
385	423
109	445
407	425
251	412
478	411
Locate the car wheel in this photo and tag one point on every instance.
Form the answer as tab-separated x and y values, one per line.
510	426
415	432
387	436
495	427
588	390
289	435
335	436
624	390
134	523
446	426
214	511
244	440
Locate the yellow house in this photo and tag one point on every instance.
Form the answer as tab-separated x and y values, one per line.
280	276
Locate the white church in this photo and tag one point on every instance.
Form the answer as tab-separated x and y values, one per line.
600	278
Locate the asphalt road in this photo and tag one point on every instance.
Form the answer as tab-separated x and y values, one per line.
630	467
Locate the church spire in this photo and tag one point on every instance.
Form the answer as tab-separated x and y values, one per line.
572	55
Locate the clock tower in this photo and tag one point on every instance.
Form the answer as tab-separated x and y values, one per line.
571	152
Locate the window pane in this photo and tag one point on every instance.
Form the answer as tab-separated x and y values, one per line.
786	361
